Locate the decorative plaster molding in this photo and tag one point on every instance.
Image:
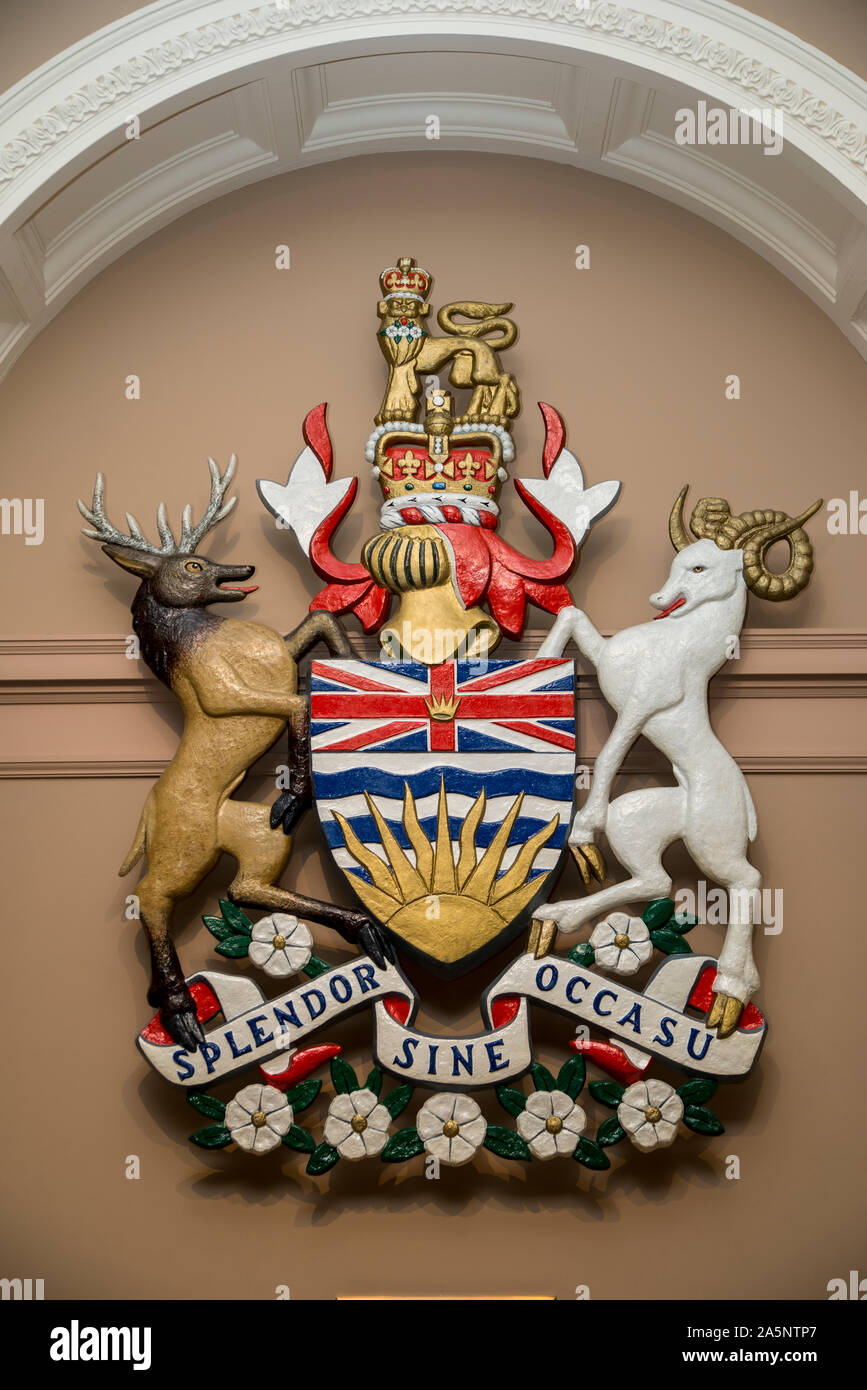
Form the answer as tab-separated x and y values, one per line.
203	75
797	763
639	30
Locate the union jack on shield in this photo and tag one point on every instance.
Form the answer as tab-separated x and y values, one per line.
445	793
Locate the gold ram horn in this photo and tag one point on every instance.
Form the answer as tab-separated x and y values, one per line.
676	529
758	534
710	516
753	533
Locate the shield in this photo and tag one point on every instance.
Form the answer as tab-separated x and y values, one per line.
445	793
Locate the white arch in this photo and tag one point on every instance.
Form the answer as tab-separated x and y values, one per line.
227	92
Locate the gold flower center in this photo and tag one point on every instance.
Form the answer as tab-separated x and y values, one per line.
653	1115
553	1124
259	1119
621	941
450	1129
279	943
359	1124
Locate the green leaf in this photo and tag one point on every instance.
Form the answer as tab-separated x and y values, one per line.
374	1081
608	1092
609	1132
505	1142
238	920
207	1105
304	1094
657	913
682	922
591	1155
212	1137
315	967
342	1076
695	1092
572	1075
300	1139
511	1100
542	1078
322	1158
397	1100
671	942
217	927
583	954
702	1121
233	946
401	1146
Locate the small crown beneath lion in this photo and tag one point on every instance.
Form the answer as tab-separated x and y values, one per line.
406	280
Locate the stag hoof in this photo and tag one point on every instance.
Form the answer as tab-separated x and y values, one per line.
287	811
725	1014
377	945
358	928
178	1017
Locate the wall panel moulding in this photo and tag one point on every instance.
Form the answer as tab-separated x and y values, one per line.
68	706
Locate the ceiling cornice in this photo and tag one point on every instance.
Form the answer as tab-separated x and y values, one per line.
141	54
156	62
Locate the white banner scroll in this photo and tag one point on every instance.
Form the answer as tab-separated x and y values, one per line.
500	1054
660	1028
485	1059
255	1028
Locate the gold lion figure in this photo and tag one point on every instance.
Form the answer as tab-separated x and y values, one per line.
410	350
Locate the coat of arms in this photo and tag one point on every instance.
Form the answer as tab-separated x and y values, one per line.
449	789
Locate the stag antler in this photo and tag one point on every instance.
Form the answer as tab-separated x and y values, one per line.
214	512
101	529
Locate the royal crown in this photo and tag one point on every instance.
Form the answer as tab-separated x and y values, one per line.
405	280
439	457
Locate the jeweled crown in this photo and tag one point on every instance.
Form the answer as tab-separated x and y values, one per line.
406	280
440	455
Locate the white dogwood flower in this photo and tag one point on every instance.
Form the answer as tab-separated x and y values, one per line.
258	1118
357	1124
280	945
650	1112
551	1123
451	1127
621	943
403	330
